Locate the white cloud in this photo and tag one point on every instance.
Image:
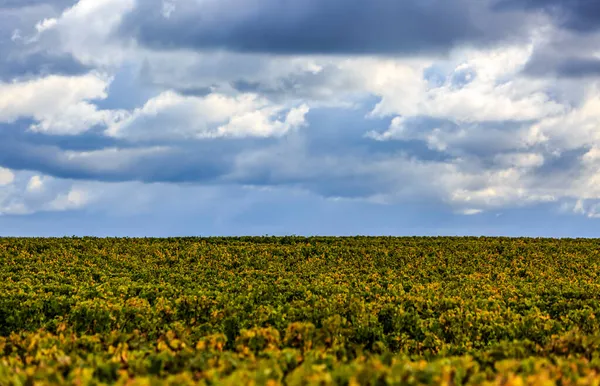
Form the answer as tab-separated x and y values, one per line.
85	30
588	208
32	193
35	184
168	7
45	24
492	88
260	123
487	128
470	212
478	187
59	104
585	184
16	36
6	177
73	199
579	127
579	208
173	116
520	160
27	193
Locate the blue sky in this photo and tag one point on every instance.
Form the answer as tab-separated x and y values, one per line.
329	117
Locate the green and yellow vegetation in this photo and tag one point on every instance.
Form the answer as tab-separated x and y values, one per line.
299	311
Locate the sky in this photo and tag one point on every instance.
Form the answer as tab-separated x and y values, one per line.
304	117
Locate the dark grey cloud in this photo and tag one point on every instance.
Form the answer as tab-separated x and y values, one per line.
565	54
98	160
564	67
577	15
18	133
334	129
179	166
330	158
209	162
57	4
24	57
41	63
320	26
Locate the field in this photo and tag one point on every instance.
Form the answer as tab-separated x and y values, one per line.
299	311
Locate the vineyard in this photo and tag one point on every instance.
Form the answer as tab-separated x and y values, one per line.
299	311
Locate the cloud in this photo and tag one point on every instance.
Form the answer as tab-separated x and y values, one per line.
74	199
510	137
57	4
319	27
172	116
26	193
59	104
520	160
6	177
21	56
85	30
564	54
570	67
493	91
588	208
35	184
456	138
577	128
35	64
470	212
87	33
387	102
578	15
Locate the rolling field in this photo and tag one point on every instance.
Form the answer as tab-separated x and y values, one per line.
299	311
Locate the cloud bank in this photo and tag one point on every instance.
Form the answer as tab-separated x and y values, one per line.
472	106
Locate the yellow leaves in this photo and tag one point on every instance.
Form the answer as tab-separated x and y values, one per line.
33	343
61	327
300	335
514	380
120	354
214	342
64	360
258	339
176	344
216	314
162	346
82	376
167	308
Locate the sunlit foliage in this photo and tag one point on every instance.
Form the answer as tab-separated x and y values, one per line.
299	311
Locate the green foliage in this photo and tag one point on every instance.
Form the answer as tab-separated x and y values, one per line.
299	311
